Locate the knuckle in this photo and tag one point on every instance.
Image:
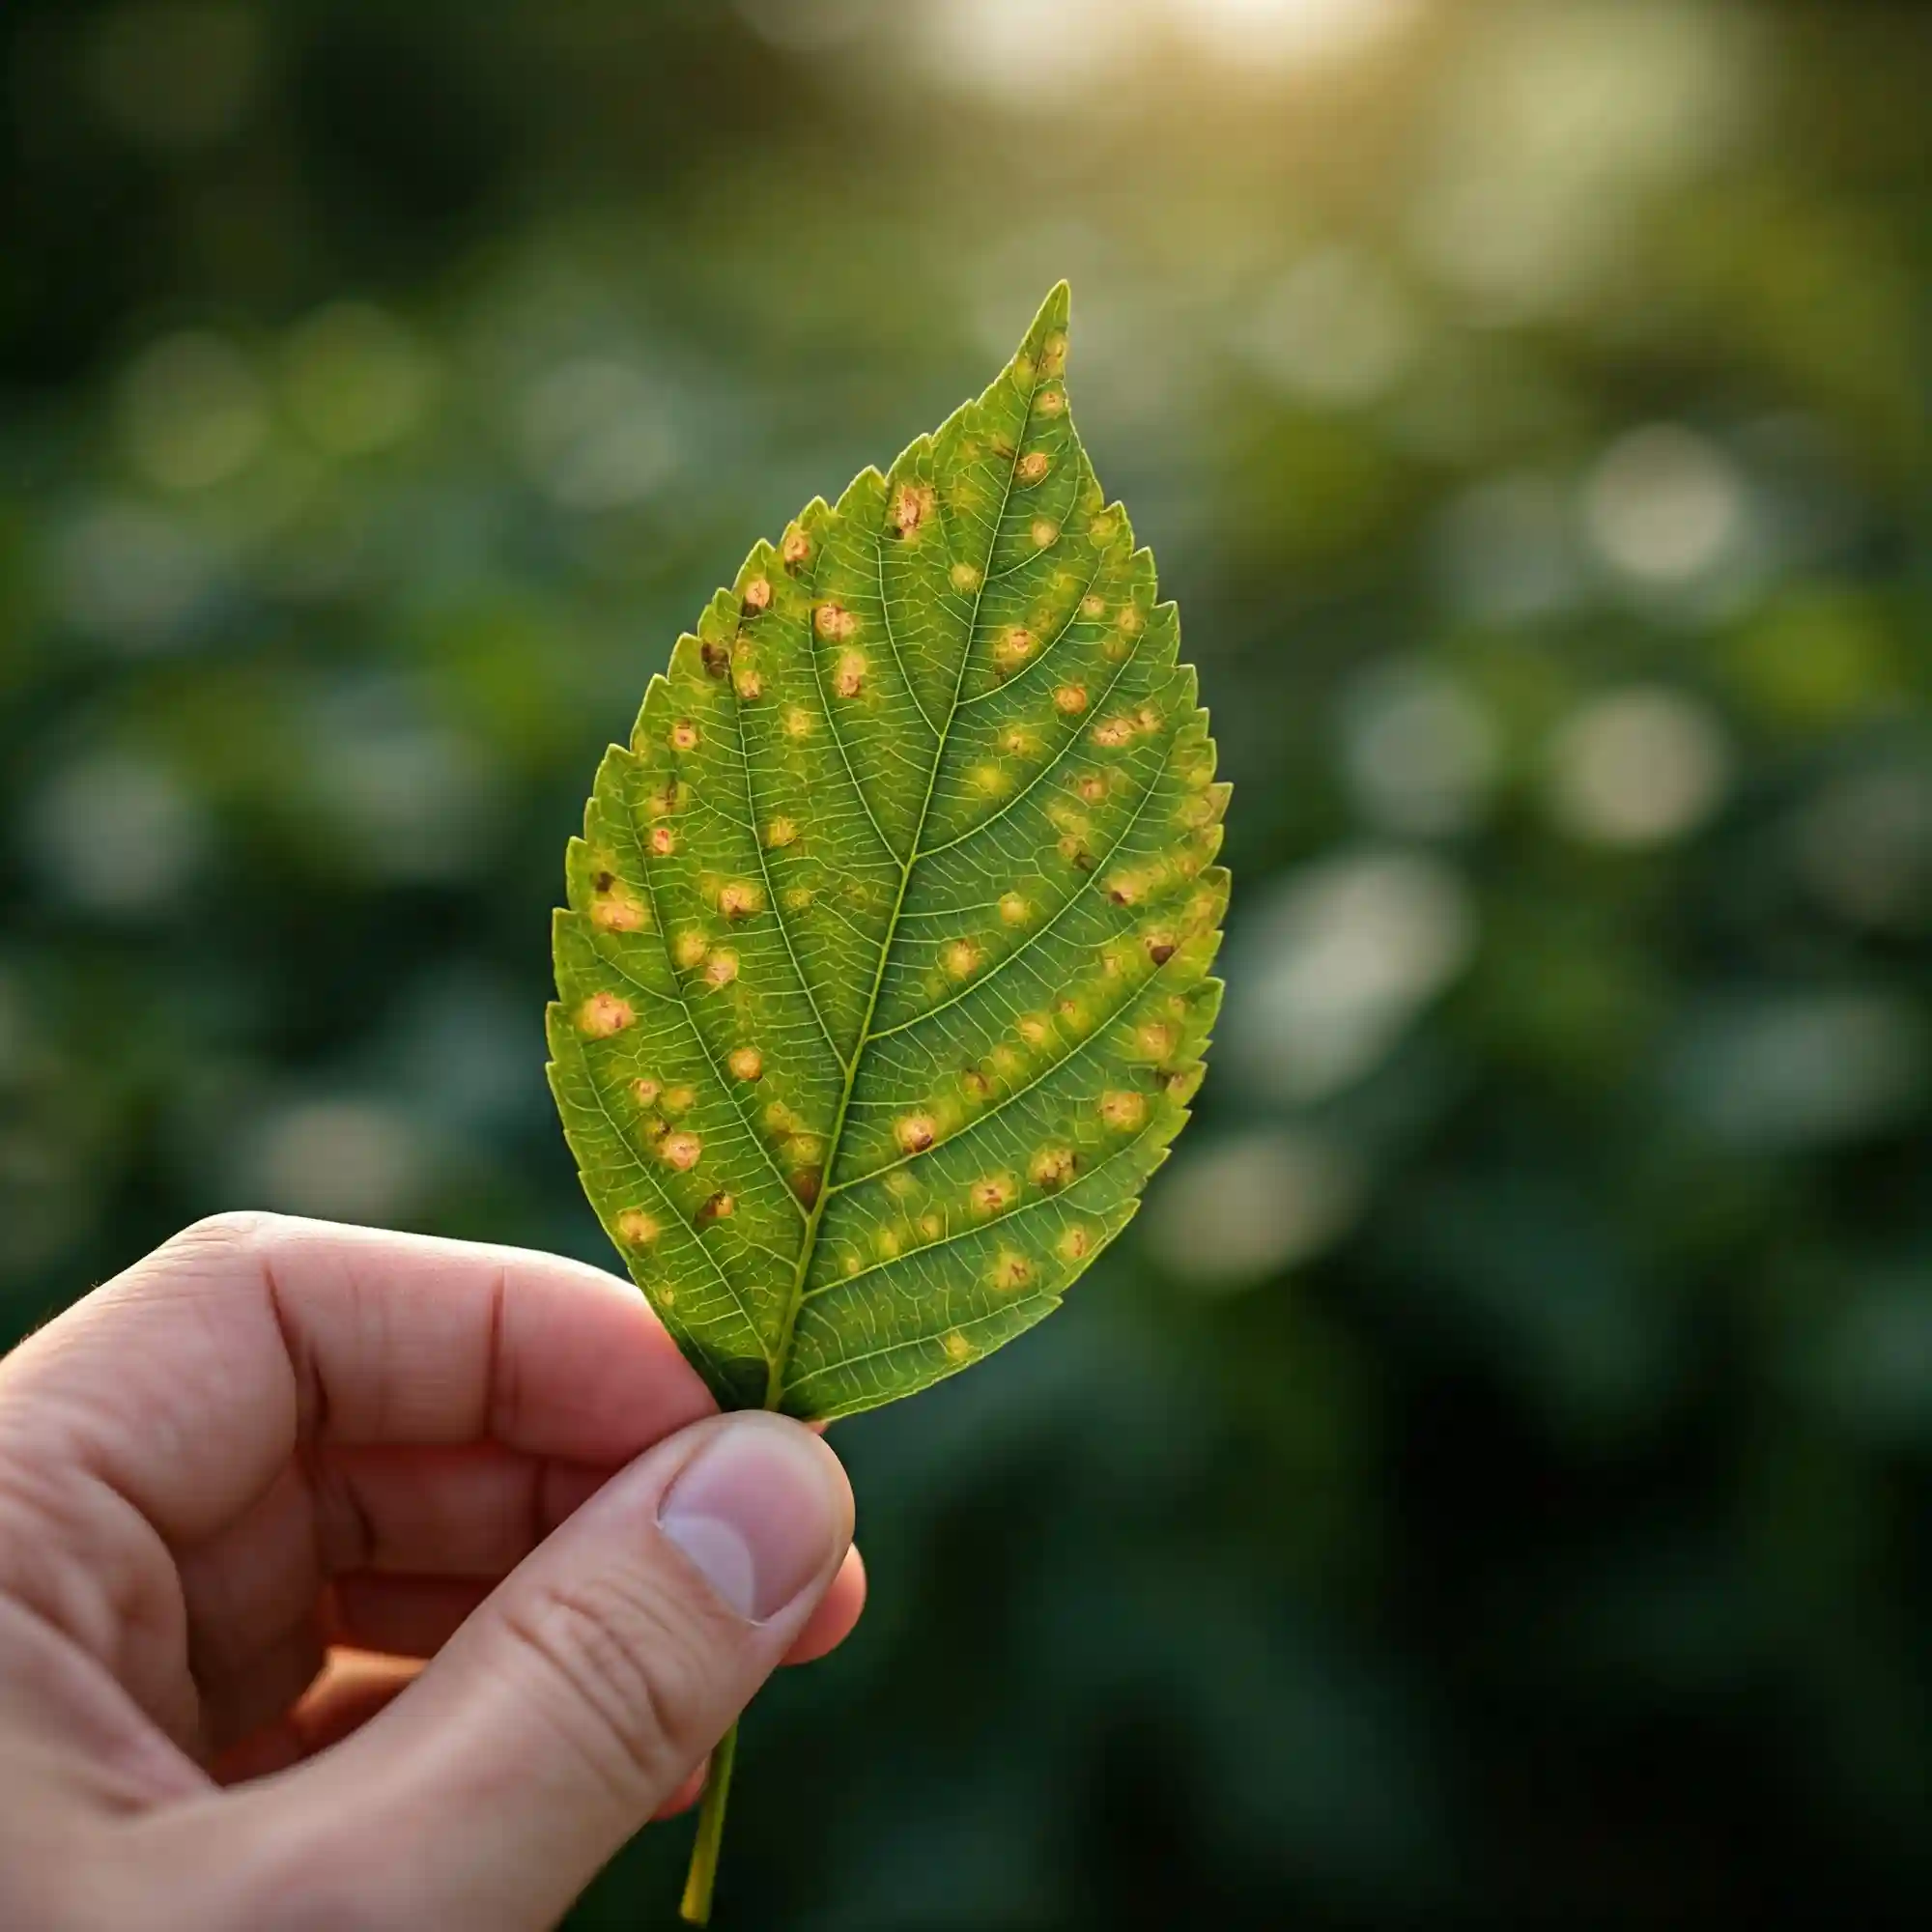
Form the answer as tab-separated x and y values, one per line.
636	1698
236	1231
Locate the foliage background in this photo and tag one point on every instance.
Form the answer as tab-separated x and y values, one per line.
1492	1480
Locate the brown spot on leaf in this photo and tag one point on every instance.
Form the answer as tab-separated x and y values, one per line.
994	1194
719	1207
604	1013
804	1185
758	596
1053	1167
740	898
746	1062
637	1228
915	1133
795	547
1124	1112
1069	700
1032	467
716	657
682	1150
684	735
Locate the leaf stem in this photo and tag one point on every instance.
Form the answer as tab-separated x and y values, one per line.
703	1878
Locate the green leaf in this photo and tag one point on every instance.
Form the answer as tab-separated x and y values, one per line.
884	983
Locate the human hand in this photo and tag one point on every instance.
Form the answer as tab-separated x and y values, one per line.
273	1438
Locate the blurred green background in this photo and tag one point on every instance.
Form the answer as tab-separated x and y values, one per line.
1494	1478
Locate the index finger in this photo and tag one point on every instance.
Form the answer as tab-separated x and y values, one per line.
188	1382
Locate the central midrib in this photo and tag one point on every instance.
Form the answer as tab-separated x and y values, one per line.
775	1379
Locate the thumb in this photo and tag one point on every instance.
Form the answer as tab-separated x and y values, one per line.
586	1687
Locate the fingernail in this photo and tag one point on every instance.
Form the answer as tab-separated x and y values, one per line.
755	1513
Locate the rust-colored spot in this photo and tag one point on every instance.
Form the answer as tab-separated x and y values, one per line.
680	1099
1131	620
758	595
1123	889
1044	532
1011	1271
911	507
716	657
1032	467
746	683
1112	732
682	1150
1124	1112
1159	946
719	1207
1075	851
1075	1244
915	1133
1015	647
1070	700
722	968
848	676
637	1228
645	1090
795	547
1053	1167
618	912
1053	353
604	1013
994	1194
976	1084
1090	788
965	576
1049	401
746	1062
804	1185
663	841
834	623
1093	605
684	735
1155	1040
740	898
689	950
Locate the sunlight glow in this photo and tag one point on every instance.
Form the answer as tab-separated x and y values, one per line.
1289	33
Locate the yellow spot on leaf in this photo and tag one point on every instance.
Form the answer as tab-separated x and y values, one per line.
681	1151
746	1062
604	1013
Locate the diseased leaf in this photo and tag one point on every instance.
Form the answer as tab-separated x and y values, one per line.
884	983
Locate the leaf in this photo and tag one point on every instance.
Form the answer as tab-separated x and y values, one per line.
883	985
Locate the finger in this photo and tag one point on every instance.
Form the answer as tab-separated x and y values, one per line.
185	1382
577	1701
352	1687
416	1616
838	1611
688	1793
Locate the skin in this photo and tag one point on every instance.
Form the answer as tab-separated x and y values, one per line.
251	1486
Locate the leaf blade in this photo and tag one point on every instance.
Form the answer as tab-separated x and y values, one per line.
883	982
